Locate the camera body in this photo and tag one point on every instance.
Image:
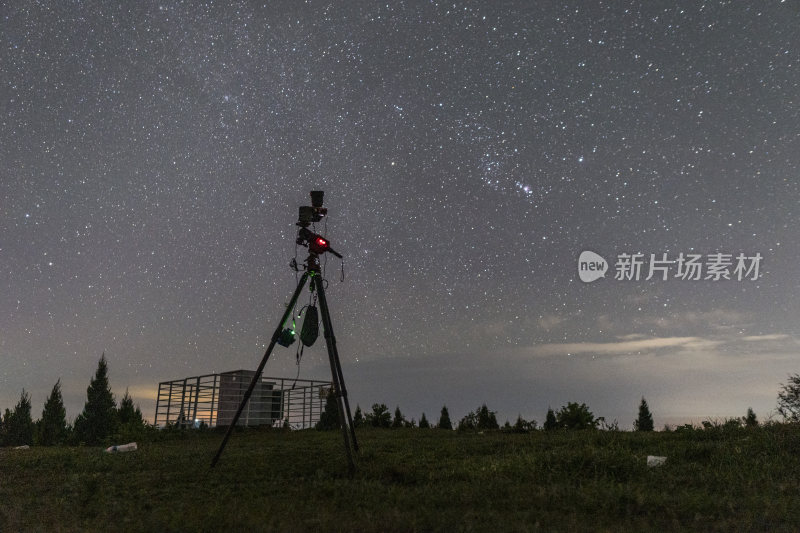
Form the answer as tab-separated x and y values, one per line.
312	213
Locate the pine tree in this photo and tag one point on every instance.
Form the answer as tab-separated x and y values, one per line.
523	426
329	419
423	422
6	418
53	425
486	418
444	419
550	422
358	417
127	414
645	420
98	420
18	423
130	419
399	420
750	420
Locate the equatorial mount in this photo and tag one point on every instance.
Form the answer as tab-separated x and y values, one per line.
317	244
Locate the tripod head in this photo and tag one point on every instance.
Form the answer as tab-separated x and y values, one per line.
316	244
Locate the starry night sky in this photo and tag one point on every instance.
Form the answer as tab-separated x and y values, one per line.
153	156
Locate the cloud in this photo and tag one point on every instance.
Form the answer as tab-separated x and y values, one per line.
549	321
760	338
636	343
632	336
630	344
693	323
715	319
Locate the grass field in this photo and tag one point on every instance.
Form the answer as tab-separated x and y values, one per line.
718	479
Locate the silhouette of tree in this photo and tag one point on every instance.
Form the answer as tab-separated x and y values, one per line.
399	420
487	418
469	422
17	424
329	419
645	420
789	399
750	420
574	416
53	424
523	426
550	422
99	417
380	416
358	418
423	422
130	419
482	419
444	419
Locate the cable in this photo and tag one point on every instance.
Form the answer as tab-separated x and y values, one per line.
299	356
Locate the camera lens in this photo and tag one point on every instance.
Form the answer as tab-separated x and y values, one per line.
316	198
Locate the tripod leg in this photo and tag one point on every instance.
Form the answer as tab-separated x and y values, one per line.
336	370
326	320
257	375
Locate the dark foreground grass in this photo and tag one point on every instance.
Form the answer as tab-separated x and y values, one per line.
414	480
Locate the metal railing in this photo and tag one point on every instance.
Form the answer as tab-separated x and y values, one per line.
212	400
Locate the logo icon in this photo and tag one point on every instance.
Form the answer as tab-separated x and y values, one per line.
591	266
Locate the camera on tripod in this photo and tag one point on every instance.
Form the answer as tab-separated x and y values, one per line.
317	244
314	212
314	274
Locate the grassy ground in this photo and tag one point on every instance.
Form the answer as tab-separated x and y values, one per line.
414	480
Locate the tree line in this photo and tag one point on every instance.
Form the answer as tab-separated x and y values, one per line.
101	419
572	416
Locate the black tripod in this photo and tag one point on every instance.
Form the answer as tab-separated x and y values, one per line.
312	271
